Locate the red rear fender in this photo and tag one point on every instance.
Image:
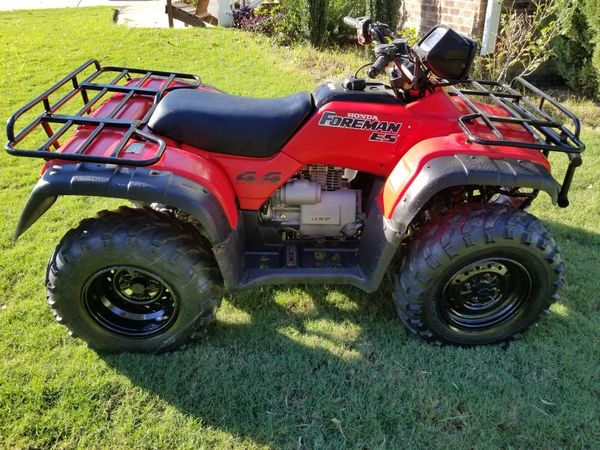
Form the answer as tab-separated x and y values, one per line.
185	164
206	173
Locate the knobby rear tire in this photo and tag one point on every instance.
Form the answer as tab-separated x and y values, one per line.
150	245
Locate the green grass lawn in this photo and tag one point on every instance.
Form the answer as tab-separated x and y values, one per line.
302	367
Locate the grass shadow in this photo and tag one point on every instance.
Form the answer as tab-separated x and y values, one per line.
330	366
275	366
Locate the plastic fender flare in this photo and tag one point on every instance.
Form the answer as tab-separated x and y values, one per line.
141	184
460	170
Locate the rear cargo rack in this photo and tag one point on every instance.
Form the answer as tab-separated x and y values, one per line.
91	92
527	107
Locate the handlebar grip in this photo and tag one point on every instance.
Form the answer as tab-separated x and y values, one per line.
378	66
351	22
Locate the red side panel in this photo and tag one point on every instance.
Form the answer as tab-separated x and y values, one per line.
316	142
255	179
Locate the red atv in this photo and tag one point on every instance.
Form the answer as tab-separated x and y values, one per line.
430	170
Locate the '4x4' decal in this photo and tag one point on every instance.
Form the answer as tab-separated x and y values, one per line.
251	176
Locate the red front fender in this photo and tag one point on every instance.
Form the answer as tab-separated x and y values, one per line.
412	163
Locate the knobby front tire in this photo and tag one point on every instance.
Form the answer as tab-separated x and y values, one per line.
480	274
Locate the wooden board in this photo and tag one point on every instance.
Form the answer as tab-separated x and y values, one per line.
189	14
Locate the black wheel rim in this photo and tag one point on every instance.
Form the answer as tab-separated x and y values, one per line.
485	294
130	301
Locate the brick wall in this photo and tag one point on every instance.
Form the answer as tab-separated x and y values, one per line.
464	16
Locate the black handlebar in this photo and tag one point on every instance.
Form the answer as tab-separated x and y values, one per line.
378	66
388	48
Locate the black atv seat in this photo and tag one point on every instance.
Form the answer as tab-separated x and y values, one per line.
230	124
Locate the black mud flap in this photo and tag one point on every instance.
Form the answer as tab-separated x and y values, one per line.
137	184
462	170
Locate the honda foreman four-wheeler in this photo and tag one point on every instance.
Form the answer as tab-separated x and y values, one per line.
428	175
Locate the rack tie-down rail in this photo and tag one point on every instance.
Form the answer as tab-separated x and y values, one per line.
549	133
91	93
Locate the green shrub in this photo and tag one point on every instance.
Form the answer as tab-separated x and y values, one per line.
573	55
265	19
410	33
318	15
320	21
294	21
387	11
338	33
324	20
592	13
524	39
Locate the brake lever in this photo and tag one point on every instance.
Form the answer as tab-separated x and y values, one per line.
379	32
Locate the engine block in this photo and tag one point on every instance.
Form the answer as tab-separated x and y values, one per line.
317	202
330	178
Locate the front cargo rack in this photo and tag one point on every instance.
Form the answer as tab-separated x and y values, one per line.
525	107
122	87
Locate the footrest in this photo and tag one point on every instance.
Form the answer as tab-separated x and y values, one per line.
291	256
